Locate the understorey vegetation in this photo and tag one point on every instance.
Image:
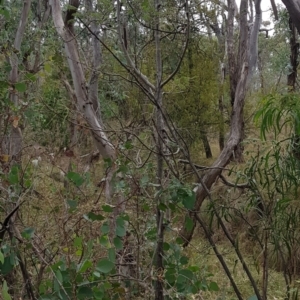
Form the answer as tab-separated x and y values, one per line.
149	150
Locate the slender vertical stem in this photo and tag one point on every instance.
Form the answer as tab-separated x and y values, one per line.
159	295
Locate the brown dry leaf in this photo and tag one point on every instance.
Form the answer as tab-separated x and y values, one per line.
15	122
69	153
4	158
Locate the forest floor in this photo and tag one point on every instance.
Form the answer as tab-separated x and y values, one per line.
56	210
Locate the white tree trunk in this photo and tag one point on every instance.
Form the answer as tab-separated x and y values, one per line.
105	147
253	51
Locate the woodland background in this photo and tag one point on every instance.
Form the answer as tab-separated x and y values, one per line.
150	149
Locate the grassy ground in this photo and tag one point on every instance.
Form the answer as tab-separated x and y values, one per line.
201	254
49	210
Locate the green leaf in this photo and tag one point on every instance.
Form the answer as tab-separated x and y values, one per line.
118	243
189	200
162	206
128	145
188	223
27	233
47	67
13	176
105	266
184	279
59	276
93	217
166	246
213	286
112	255
20	86
75	178
72	204
98	294
78	242
4	12
184	260
179	241
107	208
82	267
103	240
254	297
144	180
108	162
7	266
3	84
5	293
84	292
30	77
1	257
171	276
120	229
105	228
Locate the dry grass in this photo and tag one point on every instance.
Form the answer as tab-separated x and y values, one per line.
47	210
201	254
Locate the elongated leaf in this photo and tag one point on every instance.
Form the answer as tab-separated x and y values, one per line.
5	293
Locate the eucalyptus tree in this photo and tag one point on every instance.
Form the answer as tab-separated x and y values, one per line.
12	140
293	8
239	77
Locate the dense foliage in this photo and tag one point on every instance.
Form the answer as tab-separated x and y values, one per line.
126	124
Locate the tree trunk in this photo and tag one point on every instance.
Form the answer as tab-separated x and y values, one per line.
159	265
104	146
221	110
253	43
12	142
293	7
206	145
236	125
232	63
96	62
294	51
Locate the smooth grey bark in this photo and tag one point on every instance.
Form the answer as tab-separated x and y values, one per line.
96	62
293	7
253	51
105	147
42	16
232	63
12	143
148	87
236	134
275	11
221	36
